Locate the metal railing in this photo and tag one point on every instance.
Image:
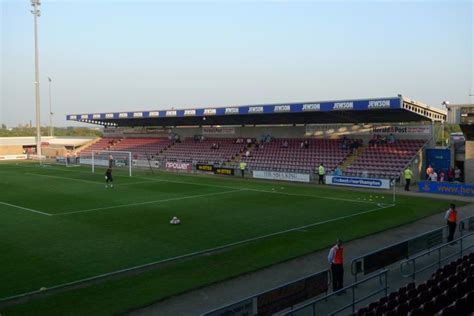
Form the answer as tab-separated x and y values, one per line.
412	261
250	302
356	263
310	307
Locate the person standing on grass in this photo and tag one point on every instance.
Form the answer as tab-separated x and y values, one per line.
111	161
451	217
243	165
336	260
109	182
408	174
321	173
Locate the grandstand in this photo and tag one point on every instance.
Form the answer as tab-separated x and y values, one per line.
151	134
449	292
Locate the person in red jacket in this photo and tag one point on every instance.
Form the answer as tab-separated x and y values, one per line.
336	260
451	217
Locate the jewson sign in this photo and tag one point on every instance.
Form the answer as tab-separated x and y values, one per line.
446	188
286	176
358	182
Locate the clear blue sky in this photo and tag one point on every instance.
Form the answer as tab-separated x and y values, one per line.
132	55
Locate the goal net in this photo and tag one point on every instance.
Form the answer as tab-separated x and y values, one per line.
109	159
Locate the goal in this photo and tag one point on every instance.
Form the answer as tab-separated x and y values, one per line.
110	158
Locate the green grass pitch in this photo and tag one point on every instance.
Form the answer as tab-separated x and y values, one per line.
61	225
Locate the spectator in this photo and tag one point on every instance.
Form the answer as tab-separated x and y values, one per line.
249	142
441	176
434	176
450	174
391	139
306	144
457	174
247	153
302	145
429	171
338	171
354	145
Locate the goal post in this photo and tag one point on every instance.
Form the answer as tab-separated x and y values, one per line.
111	158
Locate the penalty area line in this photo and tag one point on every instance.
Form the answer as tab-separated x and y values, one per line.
148	202
26	209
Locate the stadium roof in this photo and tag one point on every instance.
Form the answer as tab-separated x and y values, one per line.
383	110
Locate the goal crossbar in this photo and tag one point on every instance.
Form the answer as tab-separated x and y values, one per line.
112	152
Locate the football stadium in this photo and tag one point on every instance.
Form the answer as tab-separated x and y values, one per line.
361	206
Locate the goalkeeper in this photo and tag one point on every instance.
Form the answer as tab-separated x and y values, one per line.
108	178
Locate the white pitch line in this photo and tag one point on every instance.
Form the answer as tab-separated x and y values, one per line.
26	209
248	189
87	181
65	178
193	254
148	202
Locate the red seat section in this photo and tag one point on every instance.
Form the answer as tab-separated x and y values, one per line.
200	151
385	161
296	158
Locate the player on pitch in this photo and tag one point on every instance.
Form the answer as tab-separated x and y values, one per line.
109	182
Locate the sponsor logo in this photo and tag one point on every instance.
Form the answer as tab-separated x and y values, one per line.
84	117
231	110
207	168
379	104
138	114
73	117
358	182
123	115
178	165
218	130
282	108
171	113
312	107
287	176
224	171
109	115
209	111
343	106
96	116
189	112
256	109
154	114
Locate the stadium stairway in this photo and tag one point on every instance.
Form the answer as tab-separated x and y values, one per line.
351	158
88	144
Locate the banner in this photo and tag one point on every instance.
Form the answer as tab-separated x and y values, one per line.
286	176
446	188
183	166
358	182
417	130
12	157
205	168
218	131
224	171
